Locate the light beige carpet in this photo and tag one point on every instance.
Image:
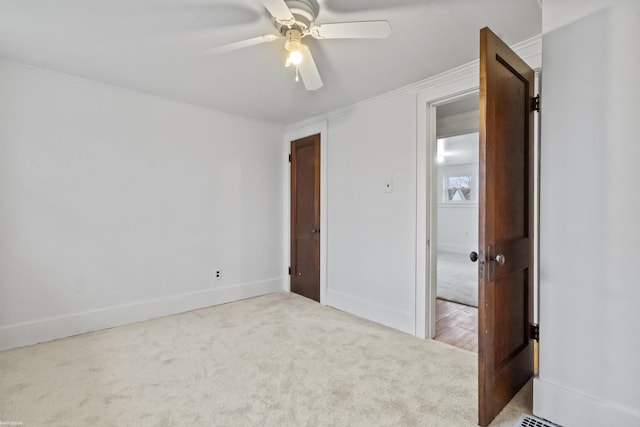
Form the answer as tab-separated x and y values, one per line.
277	360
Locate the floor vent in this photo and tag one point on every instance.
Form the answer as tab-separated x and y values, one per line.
532	421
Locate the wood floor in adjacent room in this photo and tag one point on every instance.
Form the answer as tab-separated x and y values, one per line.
457	325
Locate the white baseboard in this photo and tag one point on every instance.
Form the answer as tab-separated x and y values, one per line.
41	330
569	408
376	312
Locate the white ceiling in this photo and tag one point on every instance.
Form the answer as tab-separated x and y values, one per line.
458	150
462	105
154	46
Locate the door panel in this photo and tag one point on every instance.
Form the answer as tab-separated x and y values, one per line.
305	217
505	296
508	288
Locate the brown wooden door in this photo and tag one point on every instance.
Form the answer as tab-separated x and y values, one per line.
305	217
505	233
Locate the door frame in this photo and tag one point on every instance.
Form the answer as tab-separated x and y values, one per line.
426	313
438	90
432	204
292	134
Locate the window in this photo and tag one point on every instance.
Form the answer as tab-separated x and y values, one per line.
458	188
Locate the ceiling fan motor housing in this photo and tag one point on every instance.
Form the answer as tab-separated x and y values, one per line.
304	11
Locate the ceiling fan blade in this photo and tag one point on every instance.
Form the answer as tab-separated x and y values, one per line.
352	30
240	44
279	10
308	71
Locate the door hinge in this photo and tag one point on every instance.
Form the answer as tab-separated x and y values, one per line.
535	103
534	331
289	271
289	158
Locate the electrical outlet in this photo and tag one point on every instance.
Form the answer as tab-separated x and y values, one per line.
388	186
217	276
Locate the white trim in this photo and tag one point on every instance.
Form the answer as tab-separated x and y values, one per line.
570	408
41	330
457	82
426	227
455	165
292	133
458	205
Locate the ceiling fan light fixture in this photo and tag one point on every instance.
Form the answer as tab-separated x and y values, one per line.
295	58
294	20
294	46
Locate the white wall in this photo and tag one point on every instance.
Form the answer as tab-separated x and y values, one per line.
370	233
376	241
117	206
458	221
371	240
589	286
457	229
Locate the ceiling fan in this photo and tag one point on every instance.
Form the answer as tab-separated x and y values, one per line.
294	20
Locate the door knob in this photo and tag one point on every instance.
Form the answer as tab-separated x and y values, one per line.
473	256
299	274
315	230
500	259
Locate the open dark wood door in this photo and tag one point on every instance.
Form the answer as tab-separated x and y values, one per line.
505	233
305	217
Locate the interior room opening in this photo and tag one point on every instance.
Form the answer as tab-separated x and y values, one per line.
454	198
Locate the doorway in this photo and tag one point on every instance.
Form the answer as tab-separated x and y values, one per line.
454	201
505	334
305	217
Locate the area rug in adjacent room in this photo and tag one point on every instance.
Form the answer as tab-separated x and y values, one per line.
457	278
